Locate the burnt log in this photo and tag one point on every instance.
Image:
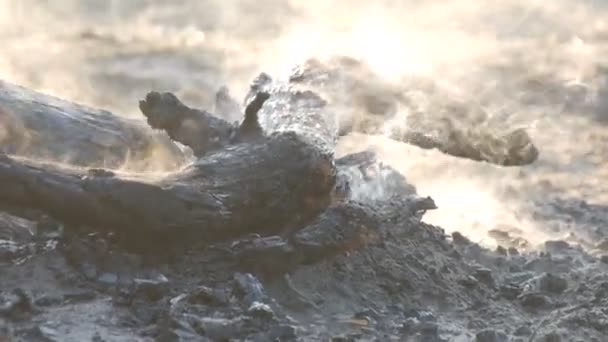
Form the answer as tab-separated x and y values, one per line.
368	104
256	182
40	126
273	174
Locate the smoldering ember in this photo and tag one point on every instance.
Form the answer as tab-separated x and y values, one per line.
257	231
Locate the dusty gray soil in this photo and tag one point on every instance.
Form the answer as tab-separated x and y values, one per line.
532	65
413	283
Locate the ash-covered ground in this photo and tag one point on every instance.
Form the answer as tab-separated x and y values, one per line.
519	255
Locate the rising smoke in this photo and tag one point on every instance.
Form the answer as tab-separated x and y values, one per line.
525	63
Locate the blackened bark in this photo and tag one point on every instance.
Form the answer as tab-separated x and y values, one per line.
41	126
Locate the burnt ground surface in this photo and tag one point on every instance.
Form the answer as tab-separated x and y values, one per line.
412	283
549	73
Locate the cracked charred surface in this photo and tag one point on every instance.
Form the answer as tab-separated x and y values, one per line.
248	187
41	126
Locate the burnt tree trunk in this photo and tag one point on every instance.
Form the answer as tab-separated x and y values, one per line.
41	126
269	172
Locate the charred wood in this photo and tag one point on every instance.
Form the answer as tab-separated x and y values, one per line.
40	126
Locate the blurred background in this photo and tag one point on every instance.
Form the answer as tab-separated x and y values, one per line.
540	65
